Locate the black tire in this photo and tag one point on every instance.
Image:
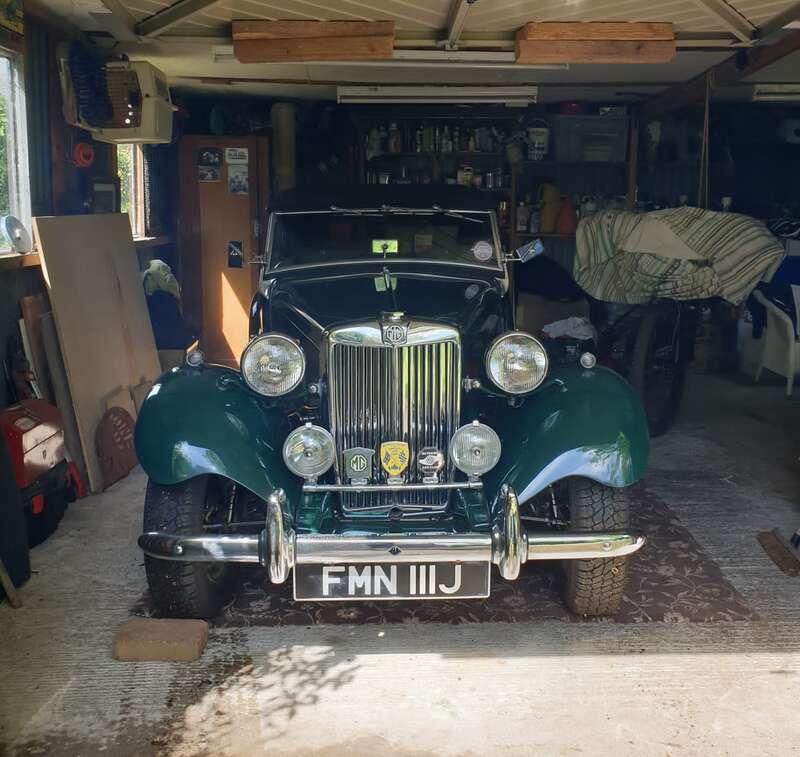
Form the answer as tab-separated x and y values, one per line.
183	589
660	394
594	588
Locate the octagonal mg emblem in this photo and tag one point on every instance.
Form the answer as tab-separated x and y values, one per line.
394	329
358	464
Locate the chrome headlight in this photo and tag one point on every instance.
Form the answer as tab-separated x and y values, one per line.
309	451
475	449
516	362
273	364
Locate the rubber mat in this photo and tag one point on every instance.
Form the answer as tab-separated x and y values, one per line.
671	579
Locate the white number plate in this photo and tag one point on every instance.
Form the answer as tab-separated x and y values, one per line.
392	581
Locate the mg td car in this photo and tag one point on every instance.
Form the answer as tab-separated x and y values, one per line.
390	433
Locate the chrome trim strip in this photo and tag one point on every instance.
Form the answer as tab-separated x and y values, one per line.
204	548
583	546
312	549
391	487
368	334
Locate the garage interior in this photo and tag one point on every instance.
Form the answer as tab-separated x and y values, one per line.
138	219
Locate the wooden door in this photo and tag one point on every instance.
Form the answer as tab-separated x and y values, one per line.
224	184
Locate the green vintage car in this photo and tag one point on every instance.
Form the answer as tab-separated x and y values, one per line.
390	435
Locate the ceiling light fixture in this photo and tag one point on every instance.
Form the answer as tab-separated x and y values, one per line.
517	96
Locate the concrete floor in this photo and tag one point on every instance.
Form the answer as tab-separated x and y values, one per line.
728	470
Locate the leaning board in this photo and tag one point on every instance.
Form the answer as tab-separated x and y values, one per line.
90	267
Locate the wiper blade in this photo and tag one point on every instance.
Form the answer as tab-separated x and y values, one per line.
352	211
455	214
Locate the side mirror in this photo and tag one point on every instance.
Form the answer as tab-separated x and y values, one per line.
527	252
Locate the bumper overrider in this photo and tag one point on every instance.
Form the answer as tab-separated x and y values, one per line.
508	546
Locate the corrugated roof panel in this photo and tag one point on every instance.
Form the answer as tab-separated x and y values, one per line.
759	11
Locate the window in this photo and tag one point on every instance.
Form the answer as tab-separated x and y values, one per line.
14	188
130	169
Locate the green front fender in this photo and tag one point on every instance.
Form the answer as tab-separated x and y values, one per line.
197	421
582	423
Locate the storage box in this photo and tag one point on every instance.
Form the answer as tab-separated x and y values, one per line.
602	139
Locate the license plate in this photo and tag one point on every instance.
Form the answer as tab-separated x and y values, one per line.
392	581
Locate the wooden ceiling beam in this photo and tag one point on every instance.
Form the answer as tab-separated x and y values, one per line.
456	19
745	63
778	22
158	23
730	18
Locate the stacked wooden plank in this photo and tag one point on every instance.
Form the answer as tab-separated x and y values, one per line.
595	42
281	41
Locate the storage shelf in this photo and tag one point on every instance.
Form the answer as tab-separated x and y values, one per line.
12	261
556	163
428	154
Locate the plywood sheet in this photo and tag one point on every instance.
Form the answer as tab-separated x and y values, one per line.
33	308
90	267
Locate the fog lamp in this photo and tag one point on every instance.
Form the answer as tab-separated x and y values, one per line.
475	449
309	451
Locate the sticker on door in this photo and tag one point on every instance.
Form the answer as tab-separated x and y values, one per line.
235	254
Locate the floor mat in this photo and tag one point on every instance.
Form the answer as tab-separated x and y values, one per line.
670	579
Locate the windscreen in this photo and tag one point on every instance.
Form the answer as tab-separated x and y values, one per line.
316	238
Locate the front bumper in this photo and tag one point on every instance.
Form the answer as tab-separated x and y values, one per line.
279	550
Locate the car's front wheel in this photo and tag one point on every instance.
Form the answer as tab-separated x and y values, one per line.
185	589
595	587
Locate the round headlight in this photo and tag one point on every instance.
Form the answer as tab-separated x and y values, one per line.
273	364
516	362
475	449
308	451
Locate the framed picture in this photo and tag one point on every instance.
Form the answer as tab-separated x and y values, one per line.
238	179
209	156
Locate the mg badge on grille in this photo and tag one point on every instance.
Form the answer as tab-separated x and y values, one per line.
358	464
395	458
394	329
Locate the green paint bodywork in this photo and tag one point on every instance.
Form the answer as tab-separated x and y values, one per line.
197	421
579	423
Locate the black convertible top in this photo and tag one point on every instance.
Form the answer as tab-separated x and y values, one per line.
375	195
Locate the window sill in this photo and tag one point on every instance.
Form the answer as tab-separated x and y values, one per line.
158	241
11	261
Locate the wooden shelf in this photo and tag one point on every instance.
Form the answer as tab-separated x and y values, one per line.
454	154
558	163
157	241
11	261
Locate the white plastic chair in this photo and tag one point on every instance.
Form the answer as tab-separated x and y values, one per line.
780	352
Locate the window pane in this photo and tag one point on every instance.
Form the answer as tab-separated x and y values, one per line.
125	173
5	147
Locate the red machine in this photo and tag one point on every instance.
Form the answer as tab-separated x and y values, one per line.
47	480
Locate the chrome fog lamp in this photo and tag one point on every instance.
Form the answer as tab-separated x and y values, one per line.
516	362
309	451
273	364
475	449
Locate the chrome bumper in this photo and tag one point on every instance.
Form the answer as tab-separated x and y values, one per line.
508	546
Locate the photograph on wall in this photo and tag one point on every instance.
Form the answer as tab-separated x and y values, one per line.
236	155
208	173
238	180
209	156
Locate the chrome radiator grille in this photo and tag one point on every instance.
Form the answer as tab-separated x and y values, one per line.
407	393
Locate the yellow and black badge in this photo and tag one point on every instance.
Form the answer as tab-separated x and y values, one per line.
394	457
